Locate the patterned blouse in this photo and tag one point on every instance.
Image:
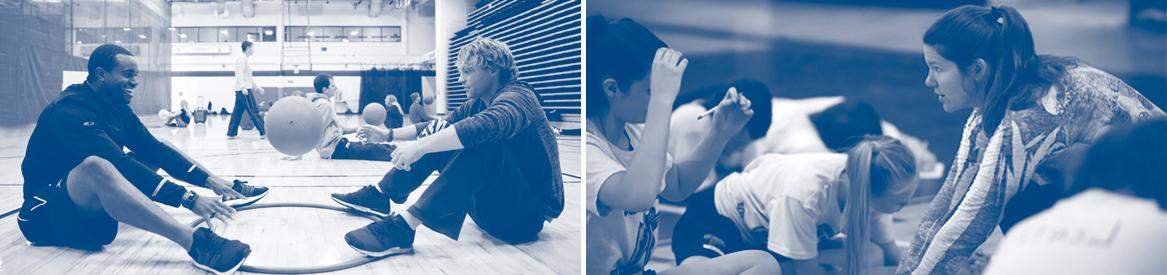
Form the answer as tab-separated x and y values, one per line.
1022	155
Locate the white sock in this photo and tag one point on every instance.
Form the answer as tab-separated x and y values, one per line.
410	219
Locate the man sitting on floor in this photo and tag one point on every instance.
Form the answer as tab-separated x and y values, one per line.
497	163
79	182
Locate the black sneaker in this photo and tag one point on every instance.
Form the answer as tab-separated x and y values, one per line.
367	200
251	193
382	238
216	254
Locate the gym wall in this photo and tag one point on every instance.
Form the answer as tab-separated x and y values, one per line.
44	39
544	37
287	62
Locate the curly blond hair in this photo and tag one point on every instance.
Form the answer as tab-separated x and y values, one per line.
486	53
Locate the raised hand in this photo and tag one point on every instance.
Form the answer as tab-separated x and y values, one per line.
732	112
667	68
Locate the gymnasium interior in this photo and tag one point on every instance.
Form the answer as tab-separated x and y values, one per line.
187	51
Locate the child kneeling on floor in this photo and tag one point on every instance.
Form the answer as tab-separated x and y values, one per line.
791	204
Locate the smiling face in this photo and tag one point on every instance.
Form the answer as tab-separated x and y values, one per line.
118	84
948	81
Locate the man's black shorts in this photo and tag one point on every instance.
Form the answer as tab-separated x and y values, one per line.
50	218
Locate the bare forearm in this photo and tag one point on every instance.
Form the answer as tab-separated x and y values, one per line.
891	253
694	166
444	140
404	133
348	130
636	189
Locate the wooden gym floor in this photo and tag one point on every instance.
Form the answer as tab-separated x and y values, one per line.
288	237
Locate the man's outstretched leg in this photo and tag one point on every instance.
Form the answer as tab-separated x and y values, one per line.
480	181
395	185
94	197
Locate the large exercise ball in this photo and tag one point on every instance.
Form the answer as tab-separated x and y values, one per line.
374	114
293	126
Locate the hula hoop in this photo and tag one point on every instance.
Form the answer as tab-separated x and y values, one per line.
303	270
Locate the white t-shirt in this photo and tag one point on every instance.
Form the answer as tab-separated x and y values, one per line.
792	132
685	130
243	79
1094	232
790	202
332	132
616	239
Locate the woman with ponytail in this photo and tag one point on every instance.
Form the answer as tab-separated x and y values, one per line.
633	79
788	204
1029	114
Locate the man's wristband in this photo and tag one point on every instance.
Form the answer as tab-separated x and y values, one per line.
189	200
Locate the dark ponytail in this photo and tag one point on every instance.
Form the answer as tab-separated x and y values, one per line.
1001	37
621	50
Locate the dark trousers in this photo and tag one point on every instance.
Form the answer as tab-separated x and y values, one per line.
362	151
702	225
484	182
245	103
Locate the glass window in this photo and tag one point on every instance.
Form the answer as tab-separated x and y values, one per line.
373	34
206	34
227	34
141	35
269	34
187	35
392	34
294	34
315	33
87	36
354	34
331	34
247	34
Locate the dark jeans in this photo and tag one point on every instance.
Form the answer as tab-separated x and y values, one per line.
245	103
702	225
484	182
362	151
